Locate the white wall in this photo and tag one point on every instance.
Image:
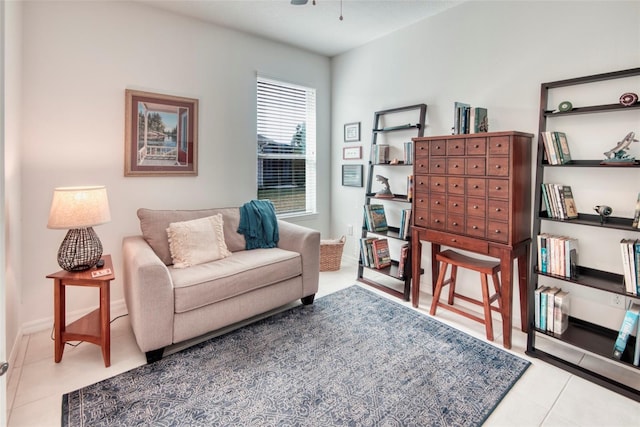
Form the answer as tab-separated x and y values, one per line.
491	54
12	27
79	57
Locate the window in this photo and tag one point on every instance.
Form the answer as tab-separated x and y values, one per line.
286	144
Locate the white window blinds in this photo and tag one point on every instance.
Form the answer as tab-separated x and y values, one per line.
286	144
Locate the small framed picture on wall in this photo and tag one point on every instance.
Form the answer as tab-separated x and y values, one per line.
352	132
352	175
352	153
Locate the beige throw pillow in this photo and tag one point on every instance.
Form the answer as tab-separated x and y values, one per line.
197	241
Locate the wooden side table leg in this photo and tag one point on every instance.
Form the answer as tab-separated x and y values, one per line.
105	318
59	318
523	281
506	271
416	261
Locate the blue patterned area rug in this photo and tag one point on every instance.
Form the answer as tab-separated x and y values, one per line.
352	358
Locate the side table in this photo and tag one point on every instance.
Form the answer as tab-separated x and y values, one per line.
93	327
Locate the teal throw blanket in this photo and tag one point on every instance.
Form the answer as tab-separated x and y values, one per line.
259	224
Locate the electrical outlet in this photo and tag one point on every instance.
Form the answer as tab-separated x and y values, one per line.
349	229
617	300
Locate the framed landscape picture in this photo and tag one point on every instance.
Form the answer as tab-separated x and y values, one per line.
352	175
161	135
352	132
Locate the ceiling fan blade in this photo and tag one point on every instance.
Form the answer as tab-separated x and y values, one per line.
299	2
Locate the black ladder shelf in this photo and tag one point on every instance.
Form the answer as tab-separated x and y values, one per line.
380	127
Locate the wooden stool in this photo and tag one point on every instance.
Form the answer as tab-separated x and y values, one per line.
484	268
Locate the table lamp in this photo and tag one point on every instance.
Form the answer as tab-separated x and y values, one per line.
78	209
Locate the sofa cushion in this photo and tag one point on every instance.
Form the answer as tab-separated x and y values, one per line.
154	224
239	273
197	241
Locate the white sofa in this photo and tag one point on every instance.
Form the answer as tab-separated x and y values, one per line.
168	305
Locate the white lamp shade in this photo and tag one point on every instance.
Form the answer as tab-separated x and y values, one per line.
79	207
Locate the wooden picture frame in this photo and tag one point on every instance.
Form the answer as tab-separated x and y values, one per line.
161	135
352	175
352	132
352	153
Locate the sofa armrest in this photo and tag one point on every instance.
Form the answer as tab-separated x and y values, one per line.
306	242
148	292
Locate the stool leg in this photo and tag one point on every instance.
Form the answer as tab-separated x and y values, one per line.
488	323
436	293
452	284
496	284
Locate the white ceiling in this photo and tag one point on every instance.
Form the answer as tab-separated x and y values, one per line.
313	27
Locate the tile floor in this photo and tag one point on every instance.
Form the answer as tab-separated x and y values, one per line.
544	396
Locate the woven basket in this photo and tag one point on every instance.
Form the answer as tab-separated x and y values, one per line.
331	254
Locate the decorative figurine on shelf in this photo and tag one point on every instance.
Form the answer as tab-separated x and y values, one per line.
628	99
618	154
604	212
386	191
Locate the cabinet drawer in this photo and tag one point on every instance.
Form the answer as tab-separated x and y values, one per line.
498	166
437	184
421	185
455	223
475	227
437	147
421	166
476	187
455	185
438	165
421	201
498	189
422	150
499	210
460	242
499	145
455	205
498	231
476	146
476	207
455	147
438	202
437	220
455	166
421	218
476	166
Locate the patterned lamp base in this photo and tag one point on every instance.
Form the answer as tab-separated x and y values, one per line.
80	250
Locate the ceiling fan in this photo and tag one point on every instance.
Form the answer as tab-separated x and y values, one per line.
303	2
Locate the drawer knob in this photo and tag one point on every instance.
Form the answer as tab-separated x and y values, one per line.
475	166
455	166
437	147
498	188
454	240
437	202
457	146
421	165
437	184
437	221
497	231
455	185
421	218
497	166
498	209
498	145
475	206
475	227
421	148
421	200
476	146
476	186
455	224
455	205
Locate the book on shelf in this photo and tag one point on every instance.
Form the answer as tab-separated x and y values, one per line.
559	202
557	255
549	148
409	188
636	353
628	326
564	153
380	154
402	262
571	254
637	263
629	264
537	296
569	202
382	257
550	294
405	223
479	120
636	216
366	251
375	217
561	307
467	119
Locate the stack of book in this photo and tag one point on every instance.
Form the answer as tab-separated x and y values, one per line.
556	147
630	324
630	250
404	256
469	119
374	218
374	252
408	153
559	202
558	255
551	309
